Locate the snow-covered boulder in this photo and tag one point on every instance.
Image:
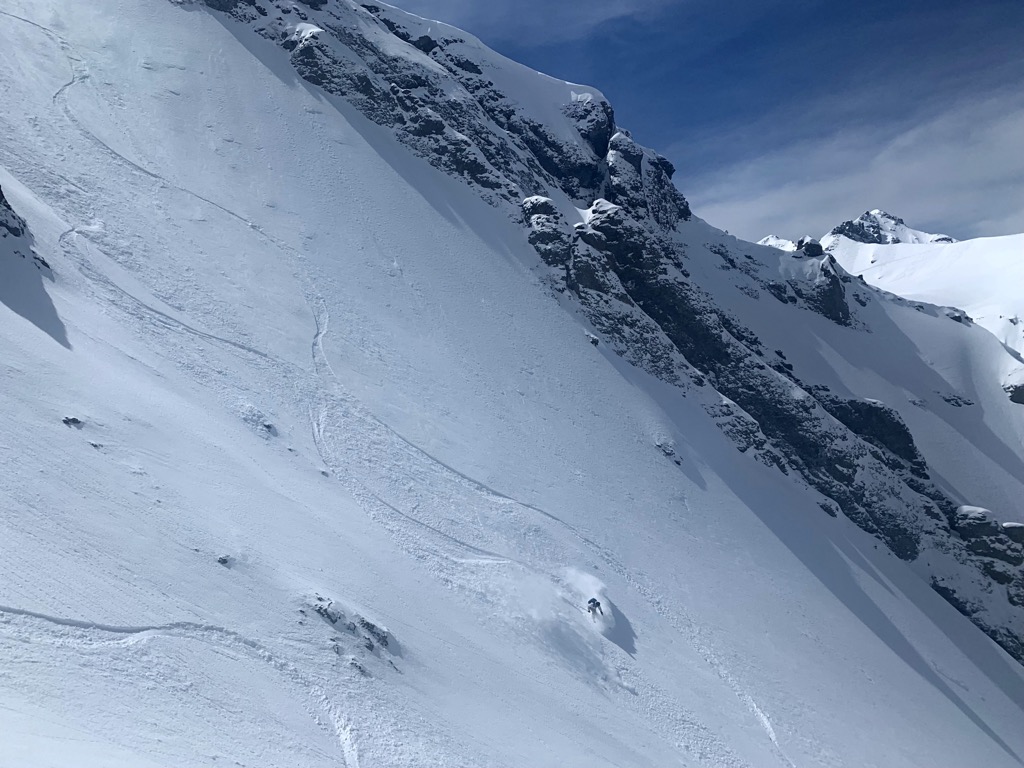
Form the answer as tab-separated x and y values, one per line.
549	231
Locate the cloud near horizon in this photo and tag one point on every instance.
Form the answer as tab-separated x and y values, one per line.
958	172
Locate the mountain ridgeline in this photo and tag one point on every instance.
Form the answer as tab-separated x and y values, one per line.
881	228
680	300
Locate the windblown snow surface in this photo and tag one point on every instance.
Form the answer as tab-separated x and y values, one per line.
338	475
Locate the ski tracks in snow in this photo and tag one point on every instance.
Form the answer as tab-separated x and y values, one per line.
79	73
144	310
135	306
34	626
330	407
688	730
347	435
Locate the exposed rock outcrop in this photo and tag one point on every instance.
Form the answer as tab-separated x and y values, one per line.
11	224
444	105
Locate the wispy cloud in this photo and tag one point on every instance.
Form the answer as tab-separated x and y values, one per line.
534	22
958	171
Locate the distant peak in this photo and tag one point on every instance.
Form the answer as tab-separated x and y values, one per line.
774	241
878	213
880	227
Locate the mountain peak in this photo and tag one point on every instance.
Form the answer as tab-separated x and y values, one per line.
878	213
774	241
879	227
873	227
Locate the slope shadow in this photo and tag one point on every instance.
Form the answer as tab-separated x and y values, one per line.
822	549
620	631
22	289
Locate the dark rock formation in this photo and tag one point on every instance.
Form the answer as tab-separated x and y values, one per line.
363	635
987	537
810	247
824	293
1014	531
1016	393
875	422
11	224
14	229
999	548
440	103
867	228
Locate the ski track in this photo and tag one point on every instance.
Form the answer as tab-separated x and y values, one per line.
340	728
688	628
332	401
688	732
79	74
86	267
135	307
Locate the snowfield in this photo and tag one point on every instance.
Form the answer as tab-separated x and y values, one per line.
302	464
980	276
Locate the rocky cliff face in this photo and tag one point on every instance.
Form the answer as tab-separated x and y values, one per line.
437	89
616	237
11	224
15	238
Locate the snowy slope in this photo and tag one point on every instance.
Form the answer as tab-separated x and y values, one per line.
980	276
967	366
294	347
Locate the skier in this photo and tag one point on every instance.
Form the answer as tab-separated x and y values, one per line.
594	607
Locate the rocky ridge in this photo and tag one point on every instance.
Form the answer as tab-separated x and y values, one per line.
874	227
617	239
438	95
880	228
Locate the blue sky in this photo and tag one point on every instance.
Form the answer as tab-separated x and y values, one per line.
789	116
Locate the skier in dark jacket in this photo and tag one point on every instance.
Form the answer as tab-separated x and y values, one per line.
594	607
